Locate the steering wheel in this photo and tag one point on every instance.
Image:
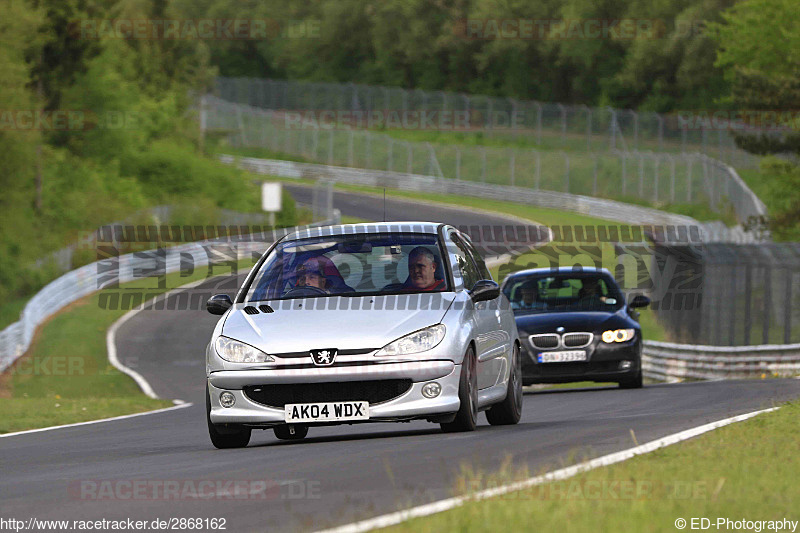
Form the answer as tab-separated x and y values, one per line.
306	290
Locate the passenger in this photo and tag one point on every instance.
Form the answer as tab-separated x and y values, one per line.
309	274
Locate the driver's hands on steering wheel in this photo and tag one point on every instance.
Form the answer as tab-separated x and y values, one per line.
304	290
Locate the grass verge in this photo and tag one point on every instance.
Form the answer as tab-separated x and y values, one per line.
65	377
719	474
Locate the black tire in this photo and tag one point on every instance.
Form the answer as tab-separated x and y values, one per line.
636	382
509	411
225	436
467	415
284	432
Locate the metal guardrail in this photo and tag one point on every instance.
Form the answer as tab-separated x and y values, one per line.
596	207
74	285
669	361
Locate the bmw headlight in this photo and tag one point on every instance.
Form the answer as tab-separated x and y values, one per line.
618	335
239	352
419	341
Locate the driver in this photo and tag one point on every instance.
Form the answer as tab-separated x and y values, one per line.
591	293
309	274
422	271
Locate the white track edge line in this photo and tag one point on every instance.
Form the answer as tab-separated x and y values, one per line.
111	344
111	348
121	417
395	518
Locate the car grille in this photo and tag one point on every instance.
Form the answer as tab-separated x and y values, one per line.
551	341
375	391
546	341
576	340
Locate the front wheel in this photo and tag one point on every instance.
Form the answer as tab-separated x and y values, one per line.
467	416
225	436
636	382
509	411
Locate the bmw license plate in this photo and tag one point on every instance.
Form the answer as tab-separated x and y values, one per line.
326	412
562	357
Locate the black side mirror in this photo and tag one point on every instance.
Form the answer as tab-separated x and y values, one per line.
484	290
219	304
639	300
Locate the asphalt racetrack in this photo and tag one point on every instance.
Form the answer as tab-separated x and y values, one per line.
338	474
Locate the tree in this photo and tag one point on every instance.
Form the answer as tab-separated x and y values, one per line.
759	50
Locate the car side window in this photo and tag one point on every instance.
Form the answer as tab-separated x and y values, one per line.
465	263
483	270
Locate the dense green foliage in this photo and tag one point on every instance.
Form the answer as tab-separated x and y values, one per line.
450	45
135	146
759	50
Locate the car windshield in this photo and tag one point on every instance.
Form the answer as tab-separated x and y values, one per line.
351	265
563	292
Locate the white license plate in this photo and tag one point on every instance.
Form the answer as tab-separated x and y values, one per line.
326	412
562	357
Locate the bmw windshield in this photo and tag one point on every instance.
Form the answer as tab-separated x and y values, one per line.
351	265
563	292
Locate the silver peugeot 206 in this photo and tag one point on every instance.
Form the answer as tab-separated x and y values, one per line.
387	322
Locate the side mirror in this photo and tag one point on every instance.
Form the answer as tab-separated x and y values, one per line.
639	300
484	290
219	304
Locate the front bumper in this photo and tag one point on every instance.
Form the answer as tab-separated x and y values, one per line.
408	406
603	365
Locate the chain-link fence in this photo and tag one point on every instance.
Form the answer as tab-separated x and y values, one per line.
652	178
551	126
726	294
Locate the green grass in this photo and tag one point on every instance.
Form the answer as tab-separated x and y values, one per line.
573	385
66	377
747	470
10	310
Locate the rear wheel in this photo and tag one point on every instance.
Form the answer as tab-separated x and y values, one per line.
290	431
225	435
467	416
509	411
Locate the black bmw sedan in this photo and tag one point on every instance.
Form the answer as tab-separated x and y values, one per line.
575	325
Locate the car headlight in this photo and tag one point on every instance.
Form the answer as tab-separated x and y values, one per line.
239	352
618	335
419	341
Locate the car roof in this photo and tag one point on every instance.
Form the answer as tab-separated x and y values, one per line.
369	227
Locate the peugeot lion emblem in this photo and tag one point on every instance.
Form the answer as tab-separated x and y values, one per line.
323	357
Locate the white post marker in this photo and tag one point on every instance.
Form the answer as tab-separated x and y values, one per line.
271	199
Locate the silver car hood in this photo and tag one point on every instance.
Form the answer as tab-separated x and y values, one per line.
344	323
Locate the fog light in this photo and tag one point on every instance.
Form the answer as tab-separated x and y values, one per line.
625	365
431	390
226	399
